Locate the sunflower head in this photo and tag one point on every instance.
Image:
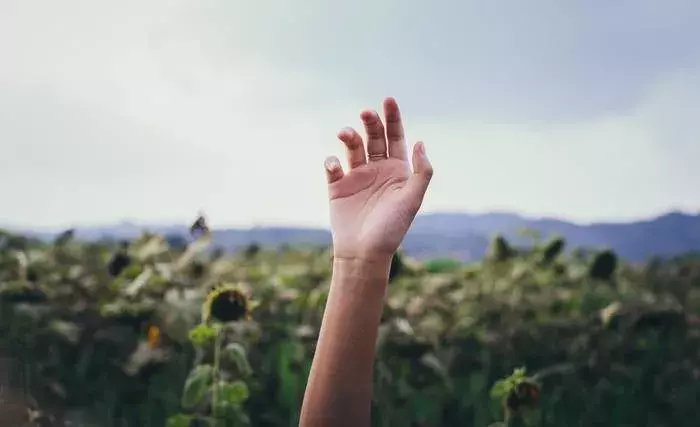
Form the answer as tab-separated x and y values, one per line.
525	395
518	393
226	303
154	338
199	227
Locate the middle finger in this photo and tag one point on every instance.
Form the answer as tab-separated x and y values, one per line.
376	138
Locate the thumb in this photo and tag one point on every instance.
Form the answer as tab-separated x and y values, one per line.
422	172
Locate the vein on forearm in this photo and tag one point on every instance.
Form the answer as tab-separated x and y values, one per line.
339	390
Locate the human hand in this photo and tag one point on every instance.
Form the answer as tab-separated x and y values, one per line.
374	203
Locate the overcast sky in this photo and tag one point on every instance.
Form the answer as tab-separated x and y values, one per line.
151	110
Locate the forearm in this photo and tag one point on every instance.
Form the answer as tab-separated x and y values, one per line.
339	390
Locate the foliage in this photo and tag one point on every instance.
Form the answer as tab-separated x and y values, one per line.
128	334
442	265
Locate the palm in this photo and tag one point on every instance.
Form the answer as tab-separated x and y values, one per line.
373	205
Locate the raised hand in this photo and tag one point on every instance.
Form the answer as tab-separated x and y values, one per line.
374	203
372	206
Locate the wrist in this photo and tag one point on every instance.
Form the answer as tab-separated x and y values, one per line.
374	265
362	274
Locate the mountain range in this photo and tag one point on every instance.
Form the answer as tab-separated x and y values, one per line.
462	235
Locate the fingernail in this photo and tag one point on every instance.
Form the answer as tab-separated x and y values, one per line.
421	149
331	165
369	115
346	131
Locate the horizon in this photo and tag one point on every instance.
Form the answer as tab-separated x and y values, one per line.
214	226
156	110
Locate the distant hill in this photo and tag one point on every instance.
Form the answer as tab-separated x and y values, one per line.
669	234
465	236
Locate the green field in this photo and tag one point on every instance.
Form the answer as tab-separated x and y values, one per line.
604	343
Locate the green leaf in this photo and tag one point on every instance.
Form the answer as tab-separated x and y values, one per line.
201	334
224	410
501	388
235	393
179	420
196	385
67	330
236	353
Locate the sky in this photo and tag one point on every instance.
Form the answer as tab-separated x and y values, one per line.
154	110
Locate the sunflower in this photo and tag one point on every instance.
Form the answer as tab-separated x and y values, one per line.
226	303
526	394
154	336
199	226
119	261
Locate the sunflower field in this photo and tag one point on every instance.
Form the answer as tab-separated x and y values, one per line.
149	333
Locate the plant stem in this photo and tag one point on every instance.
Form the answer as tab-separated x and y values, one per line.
215	379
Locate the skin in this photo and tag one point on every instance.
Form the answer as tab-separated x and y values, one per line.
372	205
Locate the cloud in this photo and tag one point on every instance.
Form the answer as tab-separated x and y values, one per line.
153	110
621	165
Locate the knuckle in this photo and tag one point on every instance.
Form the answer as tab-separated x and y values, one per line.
375	129
393	118
356	161
353	144
375	133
